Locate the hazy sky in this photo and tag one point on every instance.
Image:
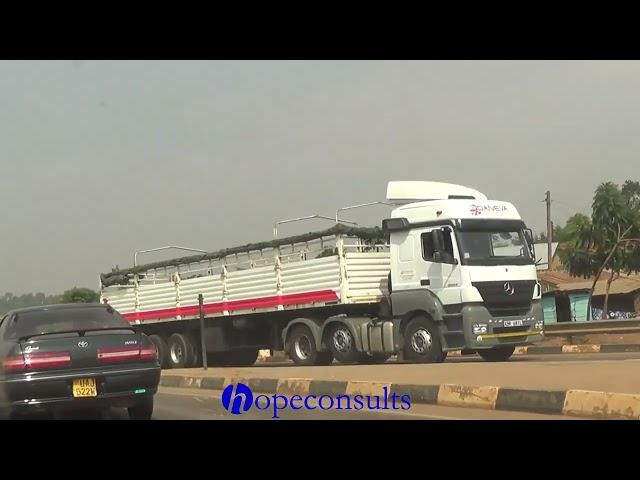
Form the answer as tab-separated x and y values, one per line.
99	159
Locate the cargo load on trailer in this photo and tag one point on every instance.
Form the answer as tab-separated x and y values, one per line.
448	270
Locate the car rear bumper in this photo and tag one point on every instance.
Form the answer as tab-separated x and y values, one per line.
118	387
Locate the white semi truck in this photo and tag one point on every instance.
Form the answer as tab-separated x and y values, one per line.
449	270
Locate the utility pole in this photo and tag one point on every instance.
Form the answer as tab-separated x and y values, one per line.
549	229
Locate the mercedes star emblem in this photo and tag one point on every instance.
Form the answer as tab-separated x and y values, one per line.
508	288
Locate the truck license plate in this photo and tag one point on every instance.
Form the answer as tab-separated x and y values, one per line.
512	323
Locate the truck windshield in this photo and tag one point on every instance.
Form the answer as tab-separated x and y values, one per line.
494	248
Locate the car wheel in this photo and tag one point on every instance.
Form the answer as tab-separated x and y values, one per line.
499	354
143	410
341	344
162	349
302	346
422	341
180	351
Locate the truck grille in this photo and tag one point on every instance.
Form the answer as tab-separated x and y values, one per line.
499	302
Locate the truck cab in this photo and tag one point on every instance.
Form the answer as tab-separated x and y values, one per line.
465	265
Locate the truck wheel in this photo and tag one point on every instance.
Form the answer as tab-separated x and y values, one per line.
242	358
162	349
374	359
341	344
302	346
499	354
422	341
180	351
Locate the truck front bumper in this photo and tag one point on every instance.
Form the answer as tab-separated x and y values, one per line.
483	330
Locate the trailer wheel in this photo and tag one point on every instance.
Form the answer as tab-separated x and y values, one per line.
162	349
342	345
180	351
499	354
194	344
422	341
302	346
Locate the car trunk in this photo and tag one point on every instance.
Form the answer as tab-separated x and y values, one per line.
80	350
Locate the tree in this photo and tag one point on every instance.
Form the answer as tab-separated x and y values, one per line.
609	240
80	295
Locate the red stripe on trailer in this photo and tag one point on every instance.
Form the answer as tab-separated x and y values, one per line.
247	304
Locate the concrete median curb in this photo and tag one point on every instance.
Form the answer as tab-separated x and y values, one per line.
579	403
542	350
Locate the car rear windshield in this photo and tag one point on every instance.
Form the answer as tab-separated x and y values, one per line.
48	321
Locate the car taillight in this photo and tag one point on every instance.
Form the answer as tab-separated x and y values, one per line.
35	361
148	352
118	354
14	363
127	354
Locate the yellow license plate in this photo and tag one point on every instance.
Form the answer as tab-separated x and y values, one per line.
85	387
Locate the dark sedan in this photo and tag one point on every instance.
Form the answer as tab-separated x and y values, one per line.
80	356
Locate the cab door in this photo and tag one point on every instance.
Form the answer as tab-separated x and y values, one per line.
438	263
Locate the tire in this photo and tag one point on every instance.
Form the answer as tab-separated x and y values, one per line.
422	341
374	359
162	349
180	351
499	354
301	346
242	358
143	410
342	344
194	342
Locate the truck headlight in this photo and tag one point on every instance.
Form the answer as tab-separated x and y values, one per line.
479	328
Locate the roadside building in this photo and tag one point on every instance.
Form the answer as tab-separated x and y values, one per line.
566	298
